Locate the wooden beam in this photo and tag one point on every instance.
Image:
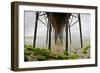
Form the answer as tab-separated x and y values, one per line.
66	37
47	36
47	33
80	29
70	35
49	22
35	31
47	29
42	22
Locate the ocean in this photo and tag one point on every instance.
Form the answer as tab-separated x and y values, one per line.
41	42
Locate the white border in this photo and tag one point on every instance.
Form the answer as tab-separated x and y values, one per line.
23	64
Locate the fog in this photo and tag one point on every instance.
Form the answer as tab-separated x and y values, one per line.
30	24
42	29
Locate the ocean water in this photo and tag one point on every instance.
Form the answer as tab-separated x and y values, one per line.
41	42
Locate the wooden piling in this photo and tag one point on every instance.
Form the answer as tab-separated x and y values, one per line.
80	29
35	31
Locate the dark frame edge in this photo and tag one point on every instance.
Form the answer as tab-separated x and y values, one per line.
56	67
14	37
96	36
55	5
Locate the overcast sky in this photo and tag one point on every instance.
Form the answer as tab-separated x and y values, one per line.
30	20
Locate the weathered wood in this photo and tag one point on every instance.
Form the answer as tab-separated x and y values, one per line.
35	31
47	36
42	22
49	22
66	37
70	35
47	29
80	29
66	23
58	23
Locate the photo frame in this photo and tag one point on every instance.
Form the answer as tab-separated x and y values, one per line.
42	36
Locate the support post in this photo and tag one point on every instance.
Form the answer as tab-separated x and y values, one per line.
35	31
47	30
49	22
47	35
66	35
70	35
80	29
